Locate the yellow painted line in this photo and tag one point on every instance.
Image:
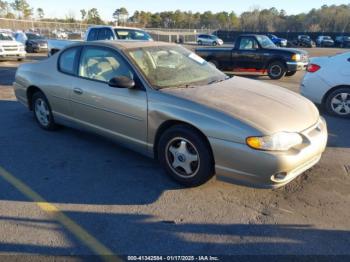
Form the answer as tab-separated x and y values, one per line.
79	232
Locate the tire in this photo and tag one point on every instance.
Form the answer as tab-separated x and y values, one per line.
276	70
214	63
200	42
186	156
291	73
215	43
30	49
42	112
20	59
338	103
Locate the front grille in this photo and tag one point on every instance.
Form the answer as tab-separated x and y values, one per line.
10	48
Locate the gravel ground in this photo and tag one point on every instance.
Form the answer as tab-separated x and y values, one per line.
126	202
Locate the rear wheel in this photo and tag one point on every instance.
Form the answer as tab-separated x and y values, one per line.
42	111
200	42
338	103
276	70
185	156
291	73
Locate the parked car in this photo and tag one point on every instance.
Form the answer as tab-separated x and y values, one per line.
99	33
324	41
342	41
282	42
327	83
305	41
205	39
166	102
9	48
60	34
34	42
256	53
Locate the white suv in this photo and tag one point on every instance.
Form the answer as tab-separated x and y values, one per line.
116	33
9	48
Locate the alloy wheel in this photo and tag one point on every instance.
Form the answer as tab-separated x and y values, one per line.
182	157
42	112
340	104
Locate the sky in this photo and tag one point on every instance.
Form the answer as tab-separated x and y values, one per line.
60	8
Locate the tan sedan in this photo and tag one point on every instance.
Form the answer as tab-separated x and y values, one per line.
167	103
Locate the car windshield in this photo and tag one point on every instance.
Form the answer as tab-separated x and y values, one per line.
174	66
327	38
265	42
35	37
213	37
130	34
6	37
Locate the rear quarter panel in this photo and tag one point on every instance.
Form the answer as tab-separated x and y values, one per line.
44	76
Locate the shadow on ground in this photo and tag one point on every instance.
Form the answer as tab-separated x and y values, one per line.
134	234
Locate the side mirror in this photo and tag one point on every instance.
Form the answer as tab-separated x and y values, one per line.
121	82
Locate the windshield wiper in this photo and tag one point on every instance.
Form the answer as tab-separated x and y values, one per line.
217	81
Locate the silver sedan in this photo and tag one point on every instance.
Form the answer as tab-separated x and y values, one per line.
167	103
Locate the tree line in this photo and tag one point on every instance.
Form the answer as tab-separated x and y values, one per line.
327	18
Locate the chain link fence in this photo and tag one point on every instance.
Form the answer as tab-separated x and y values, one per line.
58	30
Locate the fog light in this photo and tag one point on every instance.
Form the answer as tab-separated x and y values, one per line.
279	177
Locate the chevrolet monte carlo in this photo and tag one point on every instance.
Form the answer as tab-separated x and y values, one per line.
166	102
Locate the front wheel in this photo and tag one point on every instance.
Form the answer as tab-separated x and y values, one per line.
276	70
186	156
213	63
291	73
200	42
42	111
338	103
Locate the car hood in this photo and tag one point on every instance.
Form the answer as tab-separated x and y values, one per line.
38	41
266	107
13	43
294	50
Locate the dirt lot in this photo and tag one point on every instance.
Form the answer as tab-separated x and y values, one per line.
128	206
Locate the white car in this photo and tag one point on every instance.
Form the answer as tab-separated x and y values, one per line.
327	83
209	40
10	49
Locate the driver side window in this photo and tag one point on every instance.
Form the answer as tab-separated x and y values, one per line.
248	44
102	64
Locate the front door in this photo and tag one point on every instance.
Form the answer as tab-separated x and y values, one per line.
119	112
247	55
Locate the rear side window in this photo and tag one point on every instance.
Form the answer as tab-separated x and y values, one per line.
129	34
105	34
67	61
92	35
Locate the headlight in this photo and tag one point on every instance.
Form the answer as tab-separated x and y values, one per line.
296	57
278	142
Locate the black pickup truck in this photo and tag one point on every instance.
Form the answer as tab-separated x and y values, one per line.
256	53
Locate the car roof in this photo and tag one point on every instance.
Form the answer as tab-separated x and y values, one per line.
125	44
254	35
116	27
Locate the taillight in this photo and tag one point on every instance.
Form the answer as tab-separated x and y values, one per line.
312	68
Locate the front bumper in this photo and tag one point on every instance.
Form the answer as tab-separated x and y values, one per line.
297	66
40	48
327	44
239	164
12	55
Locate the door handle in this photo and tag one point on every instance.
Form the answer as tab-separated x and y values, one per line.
78	91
